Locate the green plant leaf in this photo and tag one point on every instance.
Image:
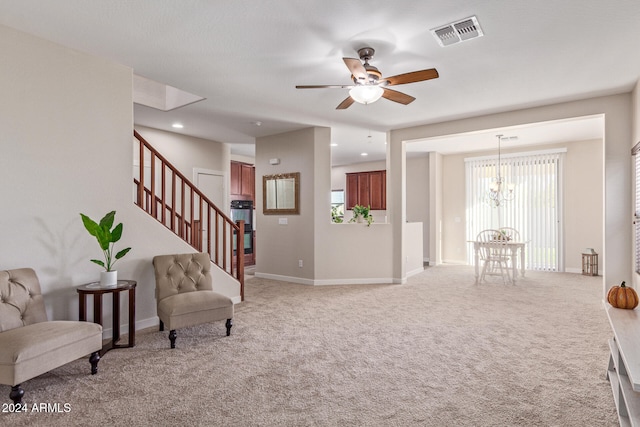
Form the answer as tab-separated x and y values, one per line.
103	238
107	220
100	263
122	253
116	233
91	226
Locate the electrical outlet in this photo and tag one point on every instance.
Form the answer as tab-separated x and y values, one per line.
300	263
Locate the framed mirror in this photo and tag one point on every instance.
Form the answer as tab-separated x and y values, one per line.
281	194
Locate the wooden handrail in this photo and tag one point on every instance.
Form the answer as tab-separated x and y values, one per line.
186	213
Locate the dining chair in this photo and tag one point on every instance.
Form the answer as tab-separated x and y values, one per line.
495	255
514	236
511	233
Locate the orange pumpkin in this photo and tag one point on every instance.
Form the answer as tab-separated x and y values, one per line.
623	297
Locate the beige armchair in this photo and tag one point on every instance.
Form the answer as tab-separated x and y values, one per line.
30	345
184	293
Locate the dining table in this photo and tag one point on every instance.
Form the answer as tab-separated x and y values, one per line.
516	249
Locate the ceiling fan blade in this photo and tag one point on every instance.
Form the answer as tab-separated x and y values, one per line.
415	76
324	86
345	104
394	95
357	69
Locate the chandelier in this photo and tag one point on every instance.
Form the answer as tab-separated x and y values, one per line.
499	192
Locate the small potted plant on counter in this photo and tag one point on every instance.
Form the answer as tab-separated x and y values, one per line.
106	237
361	214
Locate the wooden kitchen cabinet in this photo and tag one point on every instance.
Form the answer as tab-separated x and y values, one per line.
243	178
367	189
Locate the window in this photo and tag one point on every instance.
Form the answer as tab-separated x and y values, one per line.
337	205
535	210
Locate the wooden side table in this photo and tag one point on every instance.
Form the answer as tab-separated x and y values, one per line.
97	291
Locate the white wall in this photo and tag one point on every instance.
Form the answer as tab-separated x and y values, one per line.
418	197
331	253
583	201
187	152
280	247
435	208
617	111
67	123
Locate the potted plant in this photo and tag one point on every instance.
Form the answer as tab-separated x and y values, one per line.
361	214
501	235
106	237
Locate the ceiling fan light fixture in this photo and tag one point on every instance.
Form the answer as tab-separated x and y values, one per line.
366	94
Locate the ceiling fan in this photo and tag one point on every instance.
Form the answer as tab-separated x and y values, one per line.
369	85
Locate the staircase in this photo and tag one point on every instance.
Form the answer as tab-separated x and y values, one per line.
169	197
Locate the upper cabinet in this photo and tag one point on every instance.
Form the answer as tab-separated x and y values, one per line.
367	189
243	181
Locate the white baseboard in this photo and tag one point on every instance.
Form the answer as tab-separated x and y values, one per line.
312	282
414	272
454	262
140	324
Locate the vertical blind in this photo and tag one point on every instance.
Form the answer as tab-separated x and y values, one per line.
636	216
535	210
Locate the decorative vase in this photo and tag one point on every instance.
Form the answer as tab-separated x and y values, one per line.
359	219
109	279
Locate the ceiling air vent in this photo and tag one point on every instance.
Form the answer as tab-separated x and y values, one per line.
459	31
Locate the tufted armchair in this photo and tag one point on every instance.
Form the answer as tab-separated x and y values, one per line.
29	344
184	293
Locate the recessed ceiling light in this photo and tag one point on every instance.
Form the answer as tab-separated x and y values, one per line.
333	144
177	125
364	154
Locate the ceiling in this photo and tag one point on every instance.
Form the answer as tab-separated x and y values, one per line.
246	57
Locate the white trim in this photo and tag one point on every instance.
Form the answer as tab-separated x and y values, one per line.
414	272
312	282
454	262
151	322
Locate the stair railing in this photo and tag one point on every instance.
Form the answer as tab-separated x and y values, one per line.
172	199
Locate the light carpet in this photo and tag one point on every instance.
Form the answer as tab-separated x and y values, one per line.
437	351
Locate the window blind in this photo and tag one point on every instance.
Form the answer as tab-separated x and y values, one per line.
535	210
636	215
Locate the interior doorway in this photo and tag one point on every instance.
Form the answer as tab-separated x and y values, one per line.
213	185
581	190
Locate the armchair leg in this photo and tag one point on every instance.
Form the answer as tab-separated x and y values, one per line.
229	324
94	359
161	326
172	338
16	394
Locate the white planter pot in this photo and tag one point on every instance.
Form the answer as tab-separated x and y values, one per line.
109	279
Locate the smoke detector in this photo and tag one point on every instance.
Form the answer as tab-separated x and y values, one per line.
458	31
